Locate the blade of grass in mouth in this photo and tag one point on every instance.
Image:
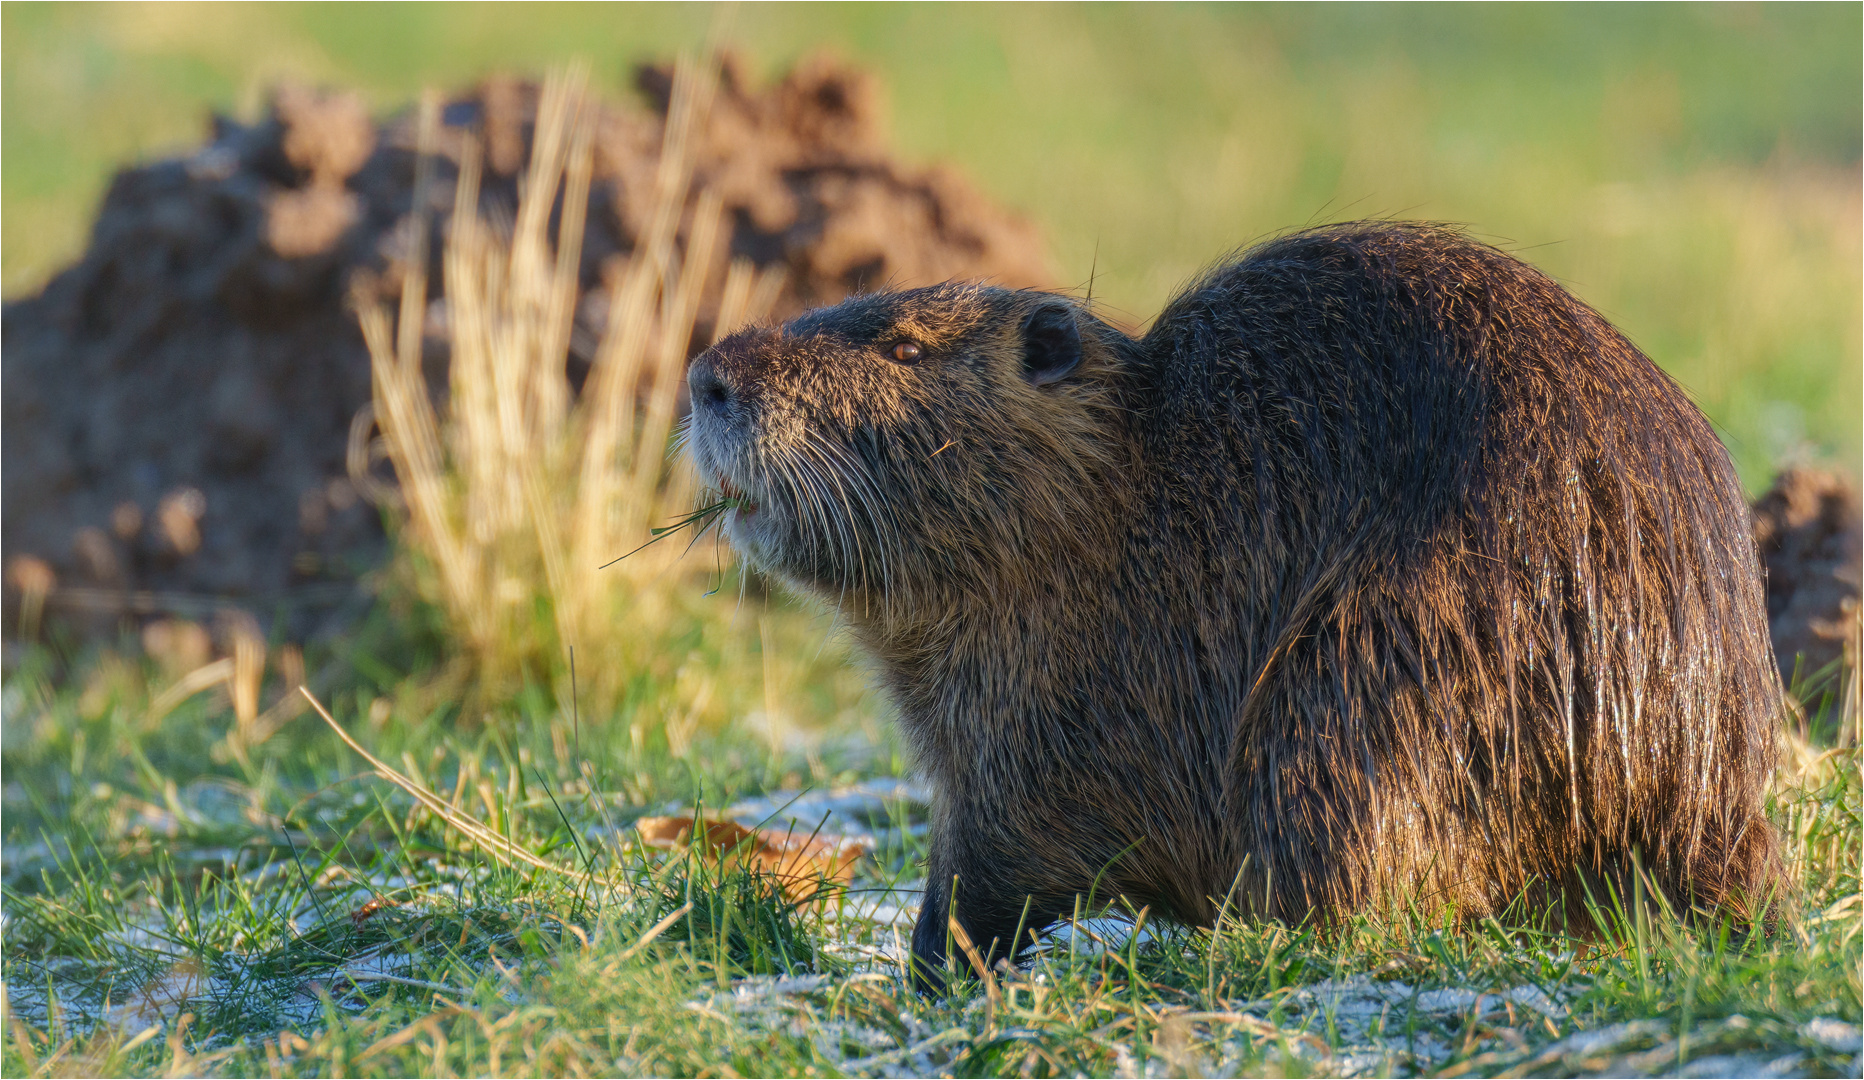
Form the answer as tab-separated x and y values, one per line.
702	517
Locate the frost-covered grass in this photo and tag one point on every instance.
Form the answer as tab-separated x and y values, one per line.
172	908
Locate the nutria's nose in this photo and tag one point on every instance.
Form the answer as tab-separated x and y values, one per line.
710	390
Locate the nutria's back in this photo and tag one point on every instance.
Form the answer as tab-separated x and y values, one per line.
1381	567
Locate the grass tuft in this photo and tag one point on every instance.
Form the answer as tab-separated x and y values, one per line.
516	497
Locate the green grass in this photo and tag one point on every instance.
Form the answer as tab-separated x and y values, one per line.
1693	171
171	906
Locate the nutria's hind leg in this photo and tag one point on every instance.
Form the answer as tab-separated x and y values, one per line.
1735	874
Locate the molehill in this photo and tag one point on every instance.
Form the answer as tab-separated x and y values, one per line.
178	405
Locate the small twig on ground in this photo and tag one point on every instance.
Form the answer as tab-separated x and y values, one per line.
655	931
499	847
419	984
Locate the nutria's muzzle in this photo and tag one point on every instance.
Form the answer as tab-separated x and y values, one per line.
742	434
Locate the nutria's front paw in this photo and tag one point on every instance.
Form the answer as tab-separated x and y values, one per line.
931	937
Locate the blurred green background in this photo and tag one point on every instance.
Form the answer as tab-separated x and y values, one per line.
1692	171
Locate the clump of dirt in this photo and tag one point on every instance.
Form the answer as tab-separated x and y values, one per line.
1808	529
179	404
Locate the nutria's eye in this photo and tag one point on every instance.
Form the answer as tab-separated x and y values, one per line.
905	352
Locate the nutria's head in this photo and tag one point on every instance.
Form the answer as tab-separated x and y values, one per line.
954	439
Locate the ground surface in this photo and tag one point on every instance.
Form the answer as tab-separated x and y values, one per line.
178	899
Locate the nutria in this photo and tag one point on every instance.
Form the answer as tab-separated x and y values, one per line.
1380	569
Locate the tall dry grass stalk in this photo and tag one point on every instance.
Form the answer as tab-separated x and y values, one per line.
515	494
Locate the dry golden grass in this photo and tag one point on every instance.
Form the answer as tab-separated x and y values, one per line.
515	495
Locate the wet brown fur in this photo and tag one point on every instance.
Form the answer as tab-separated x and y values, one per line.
1380	569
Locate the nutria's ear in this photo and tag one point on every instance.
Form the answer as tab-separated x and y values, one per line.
1051	344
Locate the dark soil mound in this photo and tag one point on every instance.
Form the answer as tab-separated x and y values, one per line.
1808	530
177	406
